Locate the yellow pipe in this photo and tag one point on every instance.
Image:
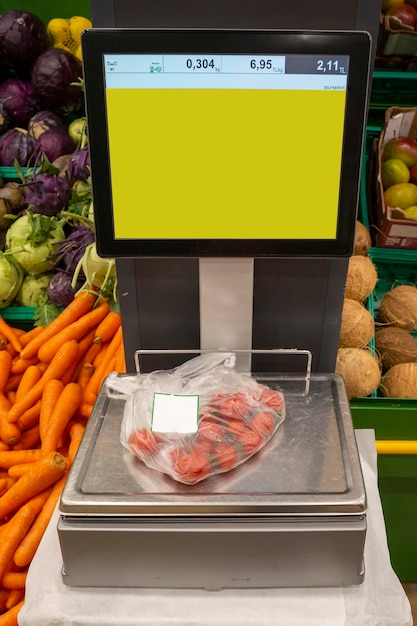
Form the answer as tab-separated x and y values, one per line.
396	447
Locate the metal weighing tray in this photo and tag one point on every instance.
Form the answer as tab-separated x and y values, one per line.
293	515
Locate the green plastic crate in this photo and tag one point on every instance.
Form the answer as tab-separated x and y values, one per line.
18	316
397	476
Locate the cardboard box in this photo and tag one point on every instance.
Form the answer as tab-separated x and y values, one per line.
393	229
395	38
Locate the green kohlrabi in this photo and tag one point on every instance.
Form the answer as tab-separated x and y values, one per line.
11	276
30	240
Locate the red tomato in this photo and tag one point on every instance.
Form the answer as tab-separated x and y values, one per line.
237	427
143	440
251	441
210	430
273	399
190	468
225	456
235	406
263	423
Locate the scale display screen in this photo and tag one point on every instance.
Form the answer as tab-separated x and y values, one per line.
225	143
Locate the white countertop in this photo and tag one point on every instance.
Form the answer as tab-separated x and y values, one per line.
379	601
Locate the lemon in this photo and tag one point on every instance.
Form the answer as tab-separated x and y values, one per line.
77	25
78	53
59	30
402	195
411	211
63	47
394	171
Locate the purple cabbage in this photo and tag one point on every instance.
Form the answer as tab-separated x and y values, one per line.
43	121
59	290
54	143
47	194
70	251
23	37
79	164
52	77
19	99
5	119
16	144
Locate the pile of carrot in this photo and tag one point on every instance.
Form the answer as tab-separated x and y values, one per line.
49	381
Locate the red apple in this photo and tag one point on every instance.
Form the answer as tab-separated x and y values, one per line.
413	174
403	148
406	13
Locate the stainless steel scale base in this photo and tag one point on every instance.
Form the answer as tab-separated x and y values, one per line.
293	515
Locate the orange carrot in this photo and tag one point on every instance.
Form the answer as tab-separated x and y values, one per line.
3	485
81	304
50	395
4	446
64	357
20	365
31	334
29	544
30	417
74	331
29	439
120	365
9	458
14	580
4	594
92	352
5	369
10	617
86	342
76	432
16	471
84	411
29	379
13	531
11	335
42	475
107	328
15	596
9	433
13	382
104	368
11	396
85	374
66	406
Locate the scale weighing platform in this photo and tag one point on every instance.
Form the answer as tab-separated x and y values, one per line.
293	515
218	143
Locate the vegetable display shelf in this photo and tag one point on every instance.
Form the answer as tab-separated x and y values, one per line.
19	316
46	9
391	418
391	88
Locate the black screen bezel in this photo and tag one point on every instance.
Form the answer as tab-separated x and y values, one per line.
97	42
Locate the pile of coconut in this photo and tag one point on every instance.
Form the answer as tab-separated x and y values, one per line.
390	367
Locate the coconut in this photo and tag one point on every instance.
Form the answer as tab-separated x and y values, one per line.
400	381
362	241
395	345
360	371
361	278
399	307
357	325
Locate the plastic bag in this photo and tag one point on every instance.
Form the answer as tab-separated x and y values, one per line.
235	417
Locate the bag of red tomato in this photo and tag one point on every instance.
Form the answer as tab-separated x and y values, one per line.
235	417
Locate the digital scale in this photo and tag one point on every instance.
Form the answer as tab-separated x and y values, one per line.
210	127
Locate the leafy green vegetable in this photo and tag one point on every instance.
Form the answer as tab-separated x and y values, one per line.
45	312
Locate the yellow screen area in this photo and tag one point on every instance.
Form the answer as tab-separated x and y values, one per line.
220	163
